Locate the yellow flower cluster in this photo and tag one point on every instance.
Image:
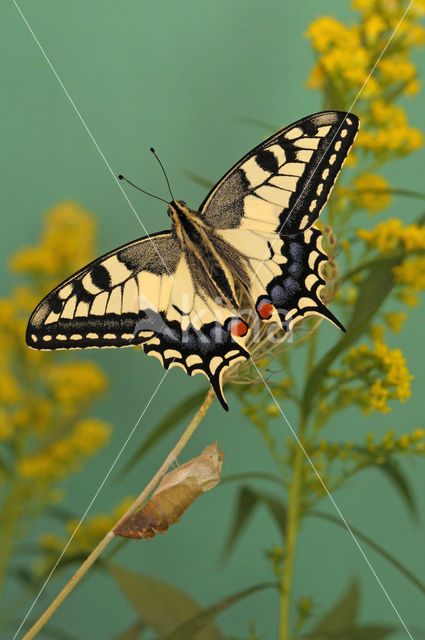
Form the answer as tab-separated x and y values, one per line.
66	245
74	384
45	397
386	132
66	454
371	192
389	444
411	273
343	62
87	536
391	234
345	57
371	376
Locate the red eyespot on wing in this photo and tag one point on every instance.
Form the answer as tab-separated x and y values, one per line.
238	328
265	309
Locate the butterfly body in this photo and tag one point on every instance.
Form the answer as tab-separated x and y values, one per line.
213	263
190	295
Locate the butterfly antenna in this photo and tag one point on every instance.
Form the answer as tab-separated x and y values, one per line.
142	190
163	171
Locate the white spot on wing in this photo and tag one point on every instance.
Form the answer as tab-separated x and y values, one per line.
278	153
215	363
149	288
285	182
254	173
82	309
275	196
69	308
117	270
312	259
296	132
323	131
305	302
99	304
172	353
304	155
258	209
89	286
65	292
307	143
293	169
304	222
114	302
192	360
52	317
310	280
130	297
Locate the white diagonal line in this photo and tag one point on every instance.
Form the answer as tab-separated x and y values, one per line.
89	132
337	131
338	510
117	457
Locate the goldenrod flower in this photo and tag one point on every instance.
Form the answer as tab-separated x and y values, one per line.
395	320
372	192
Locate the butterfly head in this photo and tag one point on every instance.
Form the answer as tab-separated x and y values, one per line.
177	210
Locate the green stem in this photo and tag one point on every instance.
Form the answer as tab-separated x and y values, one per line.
311	352
291	532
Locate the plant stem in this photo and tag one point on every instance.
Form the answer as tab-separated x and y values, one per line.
82	570
293	517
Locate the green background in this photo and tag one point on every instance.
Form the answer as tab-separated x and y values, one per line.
180	76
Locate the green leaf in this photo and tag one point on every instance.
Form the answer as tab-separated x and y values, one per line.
392	470
158	604
198	622
167	424
368	632
247	502
408	193
195	177
133	632
373	545
256	122
340	617
253	475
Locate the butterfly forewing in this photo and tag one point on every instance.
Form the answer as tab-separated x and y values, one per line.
282	185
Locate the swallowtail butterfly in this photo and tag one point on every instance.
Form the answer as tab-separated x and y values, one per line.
178	292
